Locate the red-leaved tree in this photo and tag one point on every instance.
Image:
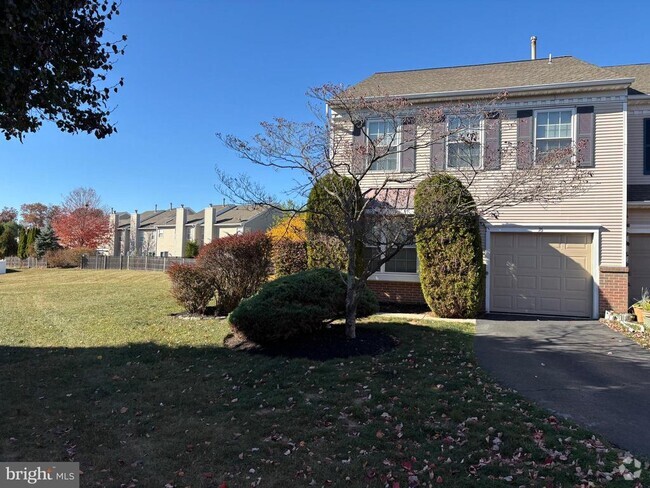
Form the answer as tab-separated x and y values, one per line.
82	222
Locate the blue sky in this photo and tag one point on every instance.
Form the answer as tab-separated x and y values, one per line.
193	68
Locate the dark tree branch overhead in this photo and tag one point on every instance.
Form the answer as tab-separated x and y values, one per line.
55	65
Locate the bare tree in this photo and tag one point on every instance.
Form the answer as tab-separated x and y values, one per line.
379	143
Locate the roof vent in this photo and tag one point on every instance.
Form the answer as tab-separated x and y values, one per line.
550	59
533	47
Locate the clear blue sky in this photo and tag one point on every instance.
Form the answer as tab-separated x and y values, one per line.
193	68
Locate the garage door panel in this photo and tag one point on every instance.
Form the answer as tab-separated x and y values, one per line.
550	283
526	241
551	262
526	261
545	273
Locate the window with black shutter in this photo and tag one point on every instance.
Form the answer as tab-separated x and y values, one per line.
646	146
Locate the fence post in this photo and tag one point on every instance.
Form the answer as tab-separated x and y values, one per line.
127	261
146	260
164	263
121	262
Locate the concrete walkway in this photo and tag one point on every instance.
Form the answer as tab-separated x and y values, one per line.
578	369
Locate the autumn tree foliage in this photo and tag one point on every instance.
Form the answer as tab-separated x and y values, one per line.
55	64
37	214
82	222
8	214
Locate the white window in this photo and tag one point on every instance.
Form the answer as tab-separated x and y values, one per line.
386	137
553	129
160	232
405	261
464	142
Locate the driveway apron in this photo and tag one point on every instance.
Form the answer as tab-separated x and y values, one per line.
578	369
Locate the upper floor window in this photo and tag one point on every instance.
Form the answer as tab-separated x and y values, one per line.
385	136
553	130
464	142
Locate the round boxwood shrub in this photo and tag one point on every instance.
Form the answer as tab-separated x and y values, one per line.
297	305
449	247
326	218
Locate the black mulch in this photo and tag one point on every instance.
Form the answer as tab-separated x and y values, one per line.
329	344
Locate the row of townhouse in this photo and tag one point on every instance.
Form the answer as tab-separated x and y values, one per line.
580	257
166	232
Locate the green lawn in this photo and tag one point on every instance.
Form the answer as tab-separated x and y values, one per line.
93	369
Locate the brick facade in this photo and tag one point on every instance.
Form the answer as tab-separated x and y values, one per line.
613	289
397	291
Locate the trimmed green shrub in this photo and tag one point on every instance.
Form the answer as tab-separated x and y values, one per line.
67	258
239	264
191	249
192	286
449	247
297	305
289	257
325	218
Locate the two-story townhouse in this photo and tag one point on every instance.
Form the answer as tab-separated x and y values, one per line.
569	258
166	232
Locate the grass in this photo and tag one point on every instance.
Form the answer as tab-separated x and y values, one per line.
93	369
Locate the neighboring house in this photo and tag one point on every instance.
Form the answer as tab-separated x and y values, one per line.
580	257
166	232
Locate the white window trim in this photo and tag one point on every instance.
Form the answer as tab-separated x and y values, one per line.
397	143
593	229
383	275
481	131
574	124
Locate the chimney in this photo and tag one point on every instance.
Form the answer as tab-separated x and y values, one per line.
533	47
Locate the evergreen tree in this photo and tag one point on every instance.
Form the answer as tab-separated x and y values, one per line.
46	241
22	243
8	243
32	235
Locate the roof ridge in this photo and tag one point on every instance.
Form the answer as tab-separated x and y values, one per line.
480	64
626	65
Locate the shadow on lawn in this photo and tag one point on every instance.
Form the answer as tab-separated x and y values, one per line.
149	412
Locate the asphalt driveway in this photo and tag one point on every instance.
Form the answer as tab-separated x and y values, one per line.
579	369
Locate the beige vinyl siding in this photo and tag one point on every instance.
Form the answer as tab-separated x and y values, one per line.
228	231
602	205
167	241
637	111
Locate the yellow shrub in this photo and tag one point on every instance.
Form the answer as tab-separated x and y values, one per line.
290	228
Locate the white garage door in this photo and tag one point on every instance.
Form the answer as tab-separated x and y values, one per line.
639	263
541	273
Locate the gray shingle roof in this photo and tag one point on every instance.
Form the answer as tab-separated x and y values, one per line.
641	75
495	76
238	214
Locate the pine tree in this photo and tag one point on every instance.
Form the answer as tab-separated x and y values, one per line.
46	241
8	244
22	243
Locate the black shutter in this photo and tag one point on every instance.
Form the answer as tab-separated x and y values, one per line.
646	146
525	146
586	126
492	142
408	145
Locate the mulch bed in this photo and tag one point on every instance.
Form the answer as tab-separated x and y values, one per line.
329	344
210	314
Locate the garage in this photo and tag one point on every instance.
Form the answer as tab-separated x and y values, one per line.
639	264
541	273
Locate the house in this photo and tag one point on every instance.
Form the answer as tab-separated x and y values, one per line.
579	257
166	232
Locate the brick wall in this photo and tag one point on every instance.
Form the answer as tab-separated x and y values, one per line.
397	291
613	289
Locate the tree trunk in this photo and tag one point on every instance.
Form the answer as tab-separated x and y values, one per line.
351	309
